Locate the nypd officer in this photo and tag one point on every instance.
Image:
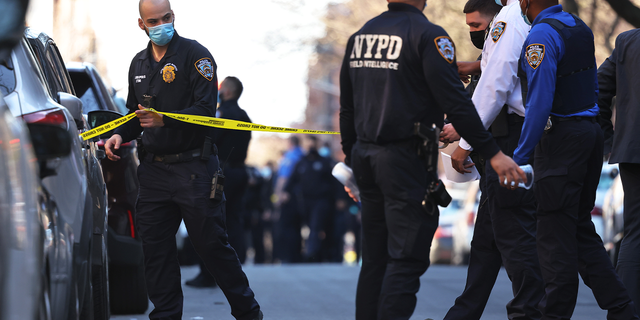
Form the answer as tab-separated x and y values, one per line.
400	69
177	75
505	228
558	70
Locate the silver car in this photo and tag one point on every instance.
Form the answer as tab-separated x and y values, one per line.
78	275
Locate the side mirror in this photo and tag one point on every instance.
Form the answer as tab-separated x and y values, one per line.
100	117
49	144
74	105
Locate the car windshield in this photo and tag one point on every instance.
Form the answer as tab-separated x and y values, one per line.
84	90
7	77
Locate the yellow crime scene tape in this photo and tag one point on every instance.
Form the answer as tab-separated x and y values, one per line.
204	121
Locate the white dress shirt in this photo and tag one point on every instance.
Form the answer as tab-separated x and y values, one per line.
499	83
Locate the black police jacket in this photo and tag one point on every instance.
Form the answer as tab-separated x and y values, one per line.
400	69
183	81
232	144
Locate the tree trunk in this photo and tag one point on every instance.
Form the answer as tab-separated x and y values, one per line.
627	10
571	6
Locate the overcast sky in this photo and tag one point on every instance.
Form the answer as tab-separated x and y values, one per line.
258	41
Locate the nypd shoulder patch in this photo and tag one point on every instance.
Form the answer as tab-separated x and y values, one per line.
446	48
205	68
534	54
498	30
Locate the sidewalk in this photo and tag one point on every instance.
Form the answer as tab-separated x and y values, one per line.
327	292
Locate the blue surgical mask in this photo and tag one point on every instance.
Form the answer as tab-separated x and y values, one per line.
499	2
524	14
162	34
324	152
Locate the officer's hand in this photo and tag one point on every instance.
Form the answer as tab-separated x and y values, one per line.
149	119
458	158
466	69
350	194
115	141
509	174
449	133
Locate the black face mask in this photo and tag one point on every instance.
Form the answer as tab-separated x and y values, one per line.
477	38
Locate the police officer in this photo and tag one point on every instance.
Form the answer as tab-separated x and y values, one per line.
506	223
311	179
617	76
232	151
558	70
233	146
178	75
400	69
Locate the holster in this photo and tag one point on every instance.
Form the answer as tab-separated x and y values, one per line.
436	193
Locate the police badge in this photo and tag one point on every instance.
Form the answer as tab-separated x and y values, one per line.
534	54
169	72
446	48
497	30
205	68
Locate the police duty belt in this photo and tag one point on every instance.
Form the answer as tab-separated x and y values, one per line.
203	121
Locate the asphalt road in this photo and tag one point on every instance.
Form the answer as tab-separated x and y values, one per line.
327	292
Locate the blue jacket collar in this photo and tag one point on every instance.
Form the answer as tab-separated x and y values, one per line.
546	13
398	6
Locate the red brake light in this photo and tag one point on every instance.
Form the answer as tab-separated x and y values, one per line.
471	218
51	116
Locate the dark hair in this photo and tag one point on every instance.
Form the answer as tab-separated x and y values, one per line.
295	141
484	7
236	86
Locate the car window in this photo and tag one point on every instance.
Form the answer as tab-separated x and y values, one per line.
111	105
59	70
84	90
7	76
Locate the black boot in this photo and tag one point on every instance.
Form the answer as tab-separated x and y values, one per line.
203	280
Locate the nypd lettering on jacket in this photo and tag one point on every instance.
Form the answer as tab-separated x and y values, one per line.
376	51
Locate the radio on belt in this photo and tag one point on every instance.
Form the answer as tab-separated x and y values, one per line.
217	186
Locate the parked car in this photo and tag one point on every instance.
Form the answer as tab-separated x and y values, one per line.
43	94
442	246
613	218
608	174
464	225
127	288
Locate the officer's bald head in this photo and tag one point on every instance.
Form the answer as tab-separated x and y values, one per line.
420	4
150	8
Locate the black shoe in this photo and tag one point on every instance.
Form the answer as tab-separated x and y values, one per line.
202	281
259	316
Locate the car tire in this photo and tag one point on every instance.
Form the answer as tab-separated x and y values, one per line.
128	290
100	281
44	310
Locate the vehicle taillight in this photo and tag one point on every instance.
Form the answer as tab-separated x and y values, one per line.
596	211
51	116
471	218
126	144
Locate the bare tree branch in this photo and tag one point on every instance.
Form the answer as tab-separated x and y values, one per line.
627	10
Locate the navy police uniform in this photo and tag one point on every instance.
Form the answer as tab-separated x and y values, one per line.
398	69
233	146
558	70
175	180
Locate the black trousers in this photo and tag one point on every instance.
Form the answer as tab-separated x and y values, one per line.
236	180
317	212
629	257
568	162
168	194
396	230
287	231
505	231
